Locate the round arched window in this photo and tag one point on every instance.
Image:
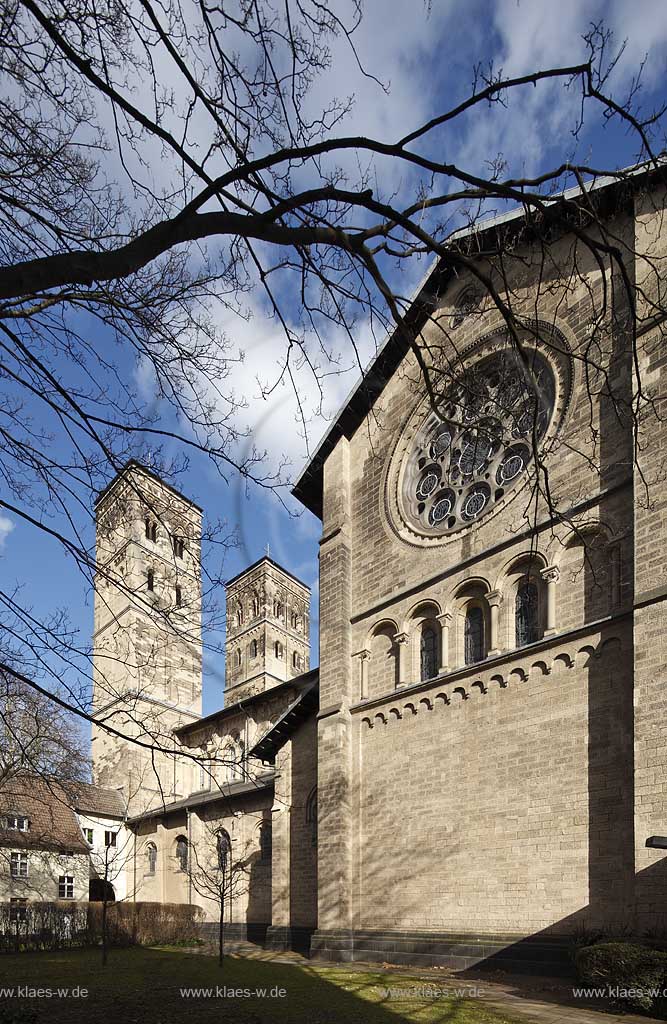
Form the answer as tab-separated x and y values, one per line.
479	442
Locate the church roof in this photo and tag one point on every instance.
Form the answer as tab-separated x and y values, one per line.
240	705
271	561
135	464
305	705
360	400
229	791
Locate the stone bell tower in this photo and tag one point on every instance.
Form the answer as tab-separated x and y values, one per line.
268	627
147	674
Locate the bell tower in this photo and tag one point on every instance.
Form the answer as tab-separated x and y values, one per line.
268	627
147	674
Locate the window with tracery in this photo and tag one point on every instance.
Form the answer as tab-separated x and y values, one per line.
479	442
223	849
151	858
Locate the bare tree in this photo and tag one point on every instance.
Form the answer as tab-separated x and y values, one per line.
159	162
37	736
216	874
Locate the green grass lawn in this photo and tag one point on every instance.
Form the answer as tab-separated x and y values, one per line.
144	985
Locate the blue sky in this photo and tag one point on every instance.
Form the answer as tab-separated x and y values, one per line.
426	62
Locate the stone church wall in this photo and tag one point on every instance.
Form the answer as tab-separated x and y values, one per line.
501	800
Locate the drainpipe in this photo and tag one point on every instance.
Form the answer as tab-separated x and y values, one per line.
188	814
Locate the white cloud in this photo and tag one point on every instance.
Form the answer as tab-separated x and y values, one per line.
6	527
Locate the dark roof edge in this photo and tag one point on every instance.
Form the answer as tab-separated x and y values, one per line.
308	487
240	705
271	561
227	792
135	464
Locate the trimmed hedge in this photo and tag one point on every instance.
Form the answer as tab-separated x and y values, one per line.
145	924
634	976
62	925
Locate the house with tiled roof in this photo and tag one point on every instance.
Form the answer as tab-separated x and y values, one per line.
59	841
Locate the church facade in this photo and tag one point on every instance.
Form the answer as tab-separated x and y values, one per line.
473	772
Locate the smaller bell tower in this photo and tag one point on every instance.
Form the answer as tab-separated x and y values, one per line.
268	629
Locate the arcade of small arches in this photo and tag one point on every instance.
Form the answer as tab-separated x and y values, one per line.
251	607
477	623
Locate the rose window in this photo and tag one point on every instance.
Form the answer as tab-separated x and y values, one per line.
479	442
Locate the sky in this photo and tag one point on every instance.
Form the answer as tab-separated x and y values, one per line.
424	56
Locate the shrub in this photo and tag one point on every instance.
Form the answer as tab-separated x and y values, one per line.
61	925
144	924
634	974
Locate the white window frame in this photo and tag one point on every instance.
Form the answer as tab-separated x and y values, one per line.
66	887
19	864
17	823
110	838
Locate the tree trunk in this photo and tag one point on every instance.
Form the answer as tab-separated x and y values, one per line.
221	932
104	933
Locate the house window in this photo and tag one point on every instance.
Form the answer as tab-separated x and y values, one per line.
311	816
151	857
182	853
19	865
204	777
18	909
90	836
151	529
178	545
474	635
265	841
428	650
17	823
279	649
526	617
179	597
224	849
253	648
150	580
109	838
66	887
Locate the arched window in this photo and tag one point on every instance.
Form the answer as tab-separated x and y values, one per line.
279	649
151	858
428	650
265	841
182	853
474	635
239	616
238	659
253	648
295	620
296	660
311	816
150	580
178	596
277	609
255	605
526	614
223	848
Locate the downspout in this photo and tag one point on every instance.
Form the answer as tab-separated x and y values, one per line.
188	814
